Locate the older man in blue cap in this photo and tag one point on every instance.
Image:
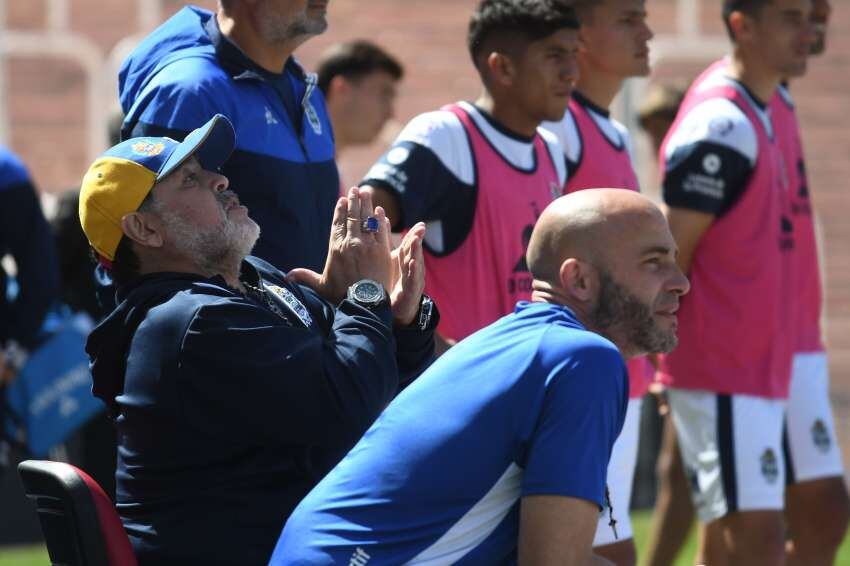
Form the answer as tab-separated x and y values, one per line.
233	389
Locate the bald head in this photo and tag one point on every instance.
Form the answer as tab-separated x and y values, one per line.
608	255
585	225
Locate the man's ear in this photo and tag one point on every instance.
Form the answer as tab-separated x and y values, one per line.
579	279
338	88
143	229
741	25
502	69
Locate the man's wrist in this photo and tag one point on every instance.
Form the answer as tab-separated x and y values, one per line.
422	318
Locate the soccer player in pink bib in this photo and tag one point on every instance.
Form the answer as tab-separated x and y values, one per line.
728	194
614	36
481	173
816	500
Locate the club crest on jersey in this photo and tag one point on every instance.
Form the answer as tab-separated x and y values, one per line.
769	466
292	302
721	126
147	148
712	163
397	155
820	436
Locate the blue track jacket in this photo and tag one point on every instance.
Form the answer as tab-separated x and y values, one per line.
230	408
283	168
26	236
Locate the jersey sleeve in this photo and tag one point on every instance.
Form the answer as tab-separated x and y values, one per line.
582	415
709	158
430	171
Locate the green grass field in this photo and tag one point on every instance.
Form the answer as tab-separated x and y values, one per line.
37	555
24	555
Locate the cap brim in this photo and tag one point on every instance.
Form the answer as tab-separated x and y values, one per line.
212	144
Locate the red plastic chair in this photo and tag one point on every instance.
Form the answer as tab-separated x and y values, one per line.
78	519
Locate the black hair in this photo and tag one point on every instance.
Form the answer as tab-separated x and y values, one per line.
354	60
498	22
749	7
75	262
584	8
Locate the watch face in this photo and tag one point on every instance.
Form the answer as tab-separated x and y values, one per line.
368	292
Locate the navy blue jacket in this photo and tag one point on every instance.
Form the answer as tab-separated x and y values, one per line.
26	236
229	409
283	168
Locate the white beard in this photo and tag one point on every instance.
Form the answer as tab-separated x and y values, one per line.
218	249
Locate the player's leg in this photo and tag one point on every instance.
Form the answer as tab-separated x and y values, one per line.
817	508
745	537
674	512
731	450
817	515
621	470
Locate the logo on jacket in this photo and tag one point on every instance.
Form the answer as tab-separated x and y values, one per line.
359	558
820	436
147	148
291	302
769	466
309	111
270	119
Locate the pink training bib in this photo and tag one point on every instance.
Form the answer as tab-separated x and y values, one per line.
805	273
735	327
484	278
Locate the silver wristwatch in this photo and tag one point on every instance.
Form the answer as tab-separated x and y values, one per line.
367	293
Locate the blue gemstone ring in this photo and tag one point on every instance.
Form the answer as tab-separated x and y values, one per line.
369	225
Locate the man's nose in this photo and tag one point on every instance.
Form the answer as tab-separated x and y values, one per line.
679	283
219	182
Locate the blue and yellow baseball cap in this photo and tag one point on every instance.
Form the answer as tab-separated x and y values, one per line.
119	180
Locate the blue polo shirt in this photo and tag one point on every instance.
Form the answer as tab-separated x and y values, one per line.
283	167
530	405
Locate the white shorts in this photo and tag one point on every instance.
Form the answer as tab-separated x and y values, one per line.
811	449
621	473
731	449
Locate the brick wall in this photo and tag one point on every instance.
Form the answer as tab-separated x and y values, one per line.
57	86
